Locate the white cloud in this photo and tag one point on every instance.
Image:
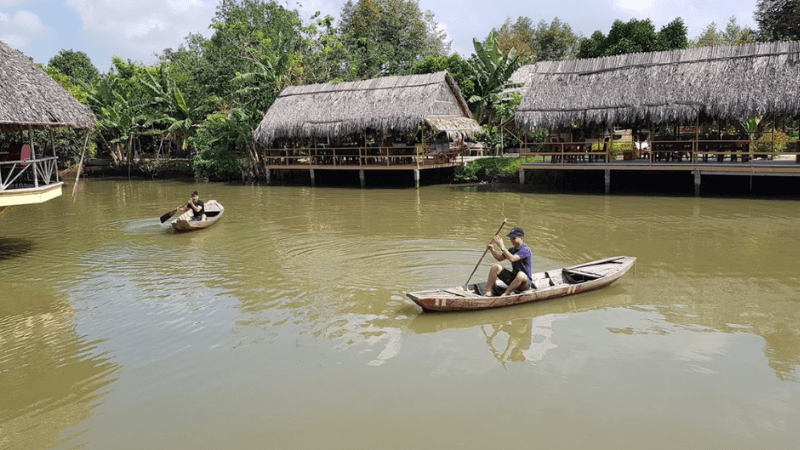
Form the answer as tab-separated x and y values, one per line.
139	29
22	28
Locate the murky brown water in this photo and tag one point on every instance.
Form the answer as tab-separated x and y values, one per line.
286	325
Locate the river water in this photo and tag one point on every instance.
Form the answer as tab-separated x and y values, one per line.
286	325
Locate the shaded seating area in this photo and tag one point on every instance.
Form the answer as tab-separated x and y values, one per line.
32	101
409	122
667	118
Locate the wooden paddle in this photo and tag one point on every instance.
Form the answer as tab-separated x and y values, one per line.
166	216
484	252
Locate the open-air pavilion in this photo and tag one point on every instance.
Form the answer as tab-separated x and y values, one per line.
31	100
403	123
686	110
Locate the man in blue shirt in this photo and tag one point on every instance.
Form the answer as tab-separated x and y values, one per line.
519	277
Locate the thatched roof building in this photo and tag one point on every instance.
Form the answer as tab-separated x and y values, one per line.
726	83
403	103
29	98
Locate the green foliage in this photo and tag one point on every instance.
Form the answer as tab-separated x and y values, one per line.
778	20
545	42
75	65
489	169
771	143
387	37
67	83
218	140
458	68
733	34
492	70
633	37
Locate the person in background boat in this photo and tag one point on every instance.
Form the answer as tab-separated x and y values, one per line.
197	206
519	277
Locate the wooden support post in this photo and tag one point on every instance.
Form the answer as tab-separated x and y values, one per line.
416	178
608	155
312	177
268	174
608	180
361	177
696	183
53	144
33	157
521	175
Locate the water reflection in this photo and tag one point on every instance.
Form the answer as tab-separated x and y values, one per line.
52	378
13	248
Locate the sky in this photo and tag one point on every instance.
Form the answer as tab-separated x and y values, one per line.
139	29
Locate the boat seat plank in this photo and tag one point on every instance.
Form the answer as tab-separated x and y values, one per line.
586	274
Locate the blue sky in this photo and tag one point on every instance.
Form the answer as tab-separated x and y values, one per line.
138	29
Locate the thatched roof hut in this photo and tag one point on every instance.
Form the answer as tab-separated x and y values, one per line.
402	103
29	98
726	83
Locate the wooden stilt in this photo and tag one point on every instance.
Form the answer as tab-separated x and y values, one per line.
696	183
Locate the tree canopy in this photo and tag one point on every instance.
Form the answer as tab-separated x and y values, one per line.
733	34
387	37
545	42
635	36
778	20
76	65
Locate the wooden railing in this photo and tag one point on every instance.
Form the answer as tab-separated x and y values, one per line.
347	157
658	151
25	174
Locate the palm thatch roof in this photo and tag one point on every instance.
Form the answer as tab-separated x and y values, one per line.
29	98
735	83
383	104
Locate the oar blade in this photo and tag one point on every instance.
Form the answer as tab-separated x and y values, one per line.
166	216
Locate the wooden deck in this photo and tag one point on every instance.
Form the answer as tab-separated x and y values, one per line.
778	167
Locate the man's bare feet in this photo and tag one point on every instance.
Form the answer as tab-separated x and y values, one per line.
488	294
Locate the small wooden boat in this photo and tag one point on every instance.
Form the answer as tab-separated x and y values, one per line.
546	285
185	223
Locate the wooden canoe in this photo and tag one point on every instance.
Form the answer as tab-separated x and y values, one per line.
549	284
185	223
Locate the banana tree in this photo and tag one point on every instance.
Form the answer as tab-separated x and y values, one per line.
492	72
166	98
116	113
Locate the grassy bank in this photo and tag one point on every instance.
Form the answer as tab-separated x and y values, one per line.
492	169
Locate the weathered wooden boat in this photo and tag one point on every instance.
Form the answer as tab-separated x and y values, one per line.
185	223
546	285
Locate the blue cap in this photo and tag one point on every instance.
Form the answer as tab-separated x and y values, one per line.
516	232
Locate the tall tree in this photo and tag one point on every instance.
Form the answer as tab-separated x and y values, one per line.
387	37
635	36
76	65
778	20
733	34
545	42
519	35
555	41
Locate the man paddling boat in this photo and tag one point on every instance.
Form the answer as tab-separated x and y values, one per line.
518	278
197	206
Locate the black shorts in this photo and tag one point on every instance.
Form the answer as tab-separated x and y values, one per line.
507	276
